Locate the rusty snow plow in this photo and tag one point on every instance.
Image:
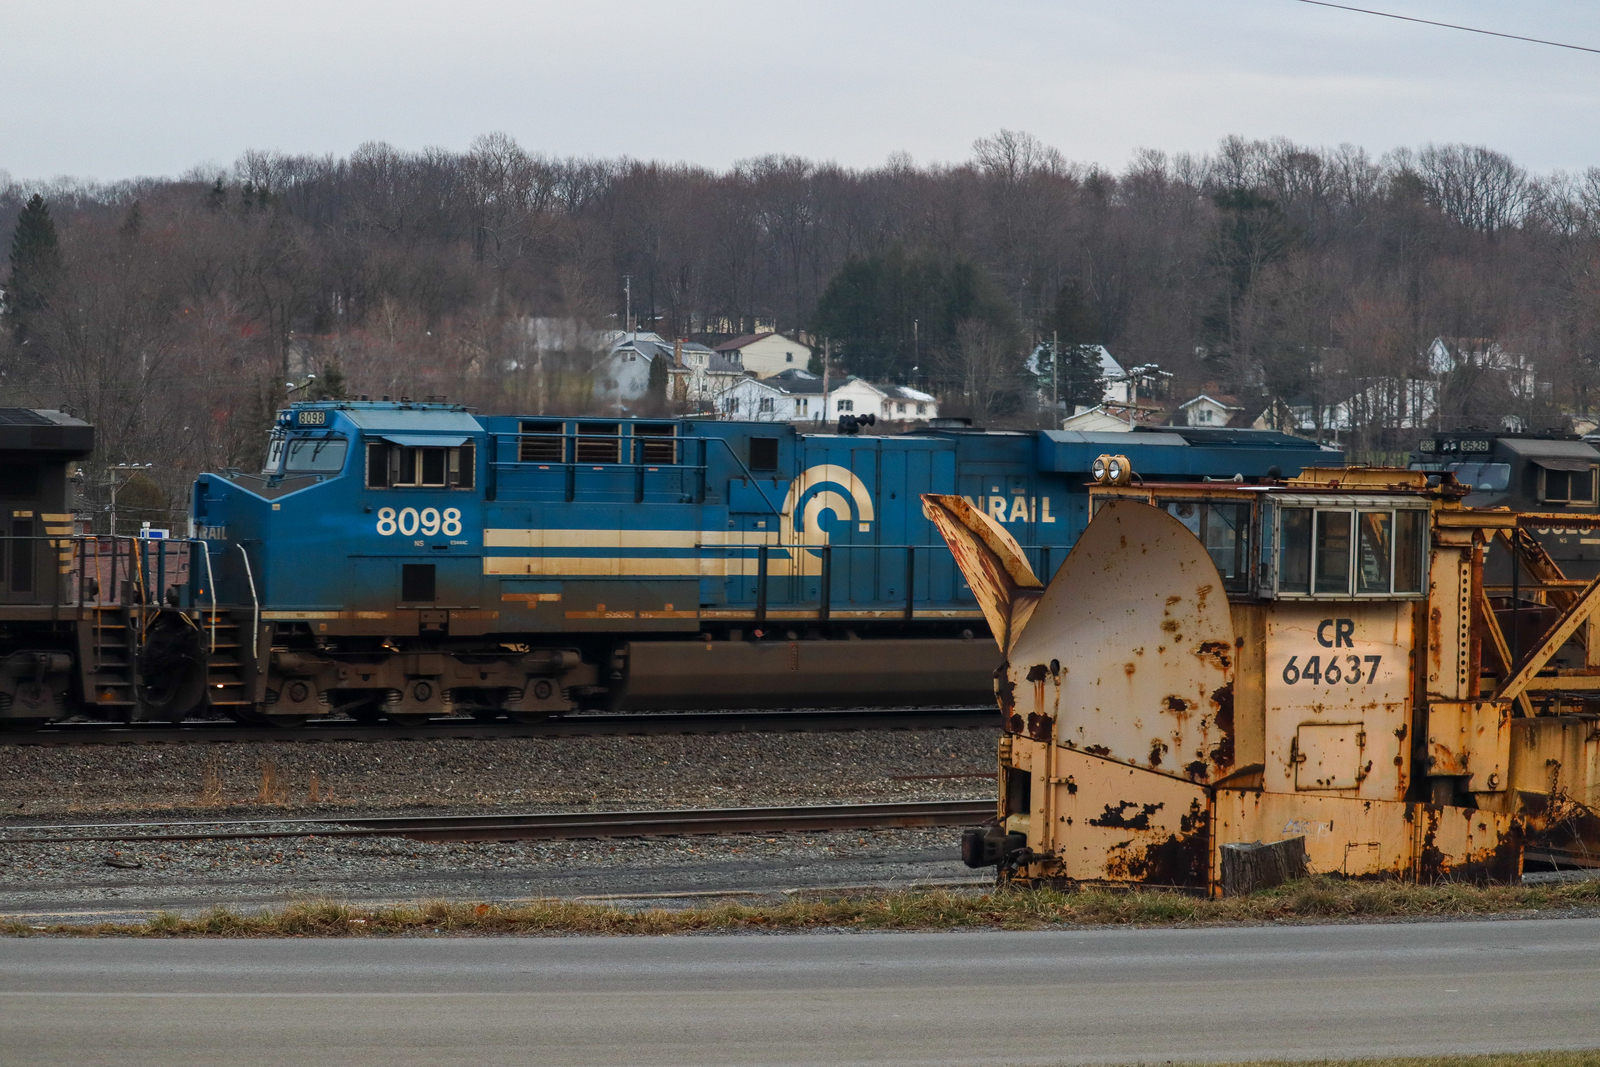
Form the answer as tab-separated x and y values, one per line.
1312	666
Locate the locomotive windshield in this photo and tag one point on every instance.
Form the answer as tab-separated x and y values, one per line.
1483	477
322	455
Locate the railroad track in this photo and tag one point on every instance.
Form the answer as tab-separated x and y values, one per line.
542	826
582	725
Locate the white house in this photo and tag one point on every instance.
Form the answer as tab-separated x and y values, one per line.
699	376
766	354
696	375
1207	410
797	396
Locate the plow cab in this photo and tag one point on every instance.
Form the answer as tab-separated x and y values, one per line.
1313	665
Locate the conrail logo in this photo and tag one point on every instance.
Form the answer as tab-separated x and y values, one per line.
825	487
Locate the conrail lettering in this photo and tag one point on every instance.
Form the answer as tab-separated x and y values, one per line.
1019	509
1331	673
1343	631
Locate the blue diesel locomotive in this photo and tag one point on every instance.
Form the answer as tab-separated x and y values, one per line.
406	560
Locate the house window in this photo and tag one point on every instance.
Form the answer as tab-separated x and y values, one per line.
845	405
900	409
1568	487
922	409
788	357
803	405
765	404
733	405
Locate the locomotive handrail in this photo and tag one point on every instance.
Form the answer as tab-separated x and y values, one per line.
255	630
211	584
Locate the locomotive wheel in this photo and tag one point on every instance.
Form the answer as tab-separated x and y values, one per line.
172	668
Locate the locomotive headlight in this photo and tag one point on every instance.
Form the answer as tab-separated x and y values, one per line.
1119	471
1098	469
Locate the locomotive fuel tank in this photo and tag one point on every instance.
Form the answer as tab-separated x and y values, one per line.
1312	665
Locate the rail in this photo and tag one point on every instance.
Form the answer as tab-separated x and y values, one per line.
587	724
542	826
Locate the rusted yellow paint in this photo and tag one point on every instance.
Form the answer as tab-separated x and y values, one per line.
1136	769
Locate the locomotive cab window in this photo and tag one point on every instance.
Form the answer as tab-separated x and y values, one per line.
1567	486
1351	552
323	454
396	466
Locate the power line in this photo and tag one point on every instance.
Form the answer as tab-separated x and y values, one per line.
1453	26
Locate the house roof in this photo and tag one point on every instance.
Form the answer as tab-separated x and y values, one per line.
905	392
1229	403
750	339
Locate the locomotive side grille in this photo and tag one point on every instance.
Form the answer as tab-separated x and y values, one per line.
542	449
603	443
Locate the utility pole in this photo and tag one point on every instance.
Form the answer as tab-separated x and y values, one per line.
134	468
825	361
627	297
1055	373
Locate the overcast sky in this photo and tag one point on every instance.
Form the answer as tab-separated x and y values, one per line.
117	89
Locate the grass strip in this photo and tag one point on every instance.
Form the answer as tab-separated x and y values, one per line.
1314	899
1503	1059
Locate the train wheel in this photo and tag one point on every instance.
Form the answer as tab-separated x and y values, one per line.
172	667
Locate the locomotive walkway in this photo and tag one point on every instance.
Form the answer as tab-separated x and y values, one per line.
1089	996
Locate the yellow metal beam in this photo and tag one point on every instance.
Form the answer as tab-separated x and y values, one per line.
1566	624
1544	683
1497	638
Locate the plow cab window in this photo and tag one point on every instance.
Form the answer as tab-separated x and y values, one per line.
1224	528
1351	552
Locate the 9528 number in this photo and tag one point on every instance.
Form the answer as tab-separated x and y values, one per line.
409	520
1346	669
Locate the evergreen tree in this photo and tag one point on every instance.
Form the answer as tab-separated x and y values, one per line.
656	388
890	312
330	384
35	266
1077	379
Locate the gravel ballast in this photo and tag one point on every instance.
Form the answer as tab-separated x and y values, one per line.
233	779
90	784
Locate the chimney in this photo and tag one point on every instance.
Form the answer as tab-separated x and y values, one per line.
677	352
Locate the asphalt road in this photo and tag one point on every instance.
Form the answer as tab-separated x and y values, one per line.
1095	996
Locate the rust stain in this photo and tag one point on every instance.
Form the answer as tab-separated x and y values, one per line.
1041	727
1157	747
1217	652
1097	750
1128	669
1195	769
1222	705
1176	705
1182	859
1118	818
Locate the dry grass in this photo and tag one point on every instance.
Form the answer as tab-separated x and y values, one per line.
1506	1059
211	783
1318	899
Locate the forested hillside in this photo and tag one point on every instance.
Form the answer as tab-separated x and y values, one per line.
171	311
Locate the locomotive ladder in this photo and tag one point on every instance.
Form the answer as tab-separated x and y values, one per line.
225	669
108	677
